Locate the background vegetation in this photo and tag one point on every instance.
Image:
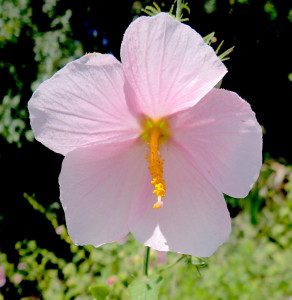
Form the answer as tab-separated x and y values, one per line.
37	259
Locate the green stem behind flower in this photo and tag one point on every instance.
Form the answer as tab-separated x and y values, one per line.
146	260
178	13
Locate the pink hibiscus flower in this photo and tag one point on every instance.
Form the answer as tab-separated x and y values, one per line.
147	131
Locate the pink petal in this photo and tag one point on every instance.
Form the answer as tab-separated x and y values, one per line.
168	65
82	103
97	185
194	219
224	139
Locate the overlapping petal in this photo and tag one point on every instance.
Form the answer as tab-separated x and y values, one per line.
224	139
82	103
194	219
97	185
167	64
89	111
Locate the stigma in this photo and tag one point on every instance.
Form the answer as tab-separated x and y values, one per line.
154	134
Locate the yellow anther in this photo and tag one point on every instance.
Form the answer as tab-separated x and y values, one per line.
154	133
154	181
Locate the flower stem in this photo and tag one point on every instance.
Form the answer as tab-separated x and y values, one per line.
146	260
178	9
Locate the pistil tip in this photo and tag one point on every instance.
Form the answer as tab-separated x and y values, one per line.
158	204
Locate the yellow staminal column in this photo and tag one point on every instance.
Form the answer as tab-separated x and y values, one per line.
154	133
156	167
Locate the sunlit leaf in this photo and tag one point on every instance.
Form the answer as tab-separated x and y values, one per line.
99	291
145	288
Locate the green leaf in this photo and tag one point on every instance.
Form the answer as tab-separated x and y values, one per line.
207	38
219	47
145	288
199	262
224	55
99	291
152	10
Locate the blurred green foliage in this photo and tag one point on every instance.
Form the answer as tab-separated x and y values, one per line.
53	47
14	15
268	6
12	124
254	264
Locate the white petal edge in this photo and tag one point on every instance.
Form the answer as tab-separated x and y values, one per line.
98	184
168	65
194	219
82	103
224	139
